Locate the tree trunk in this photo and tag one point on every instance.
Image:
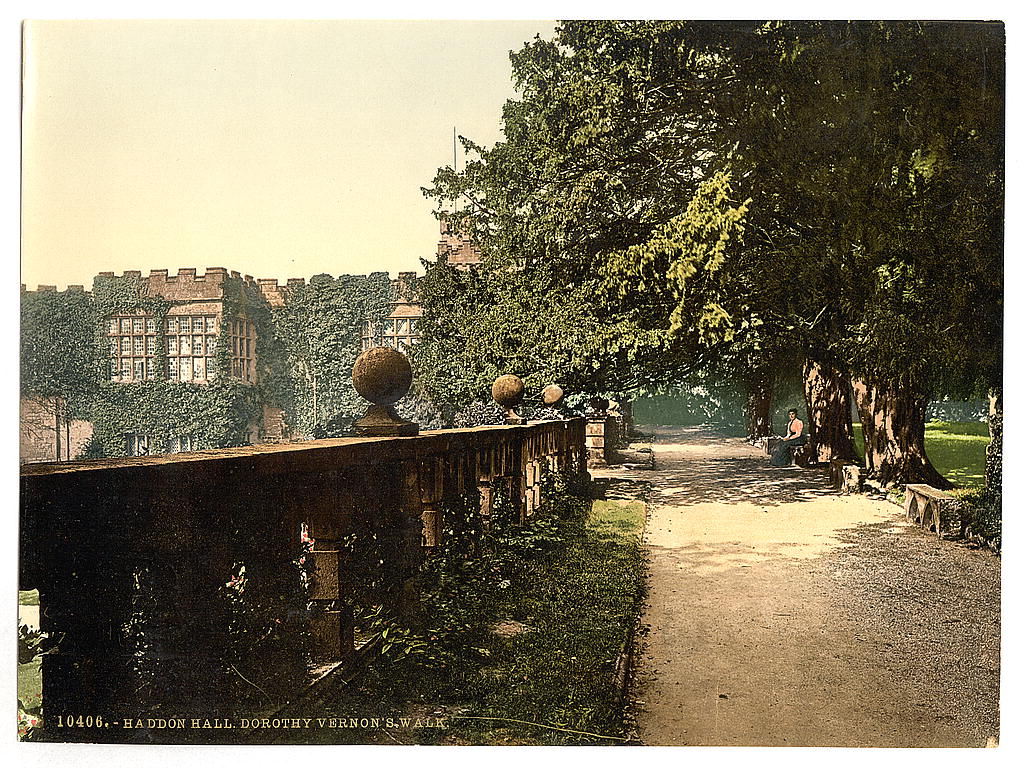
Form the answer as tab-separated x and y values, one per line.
759	406
893	422
994	451
874	439
828	413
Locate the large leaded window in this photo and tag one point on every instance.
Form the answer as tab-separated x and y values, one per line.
132	343
400	332
191	347
191	344
242	337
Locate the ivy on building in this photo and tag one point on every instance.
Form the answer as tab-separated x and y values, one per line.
304	356
320	329
59	361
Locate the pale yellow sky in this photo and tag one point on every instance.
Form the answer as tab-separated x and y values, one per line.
276	148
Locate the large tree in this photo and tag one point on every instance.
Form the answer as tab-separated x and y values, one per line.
893	167
739	191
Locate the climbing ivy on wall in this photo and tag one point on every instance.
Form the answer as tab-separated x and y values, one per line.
58	354
121	296
217	414
273	381
304	356
214	415
320	330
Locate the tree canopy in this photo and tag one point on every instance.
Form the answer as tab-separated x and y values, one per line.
734	194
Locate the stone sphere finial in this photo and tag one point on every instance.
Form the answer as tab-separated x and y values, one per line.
508	391
552	395
383	376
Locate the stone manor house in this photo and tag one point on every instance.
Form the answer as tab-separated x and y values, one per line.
200	315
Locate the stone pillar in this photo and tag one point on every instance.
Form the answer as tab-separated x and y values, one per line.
330	627
430	521
486	502
330	621
531	483
409	538
596	448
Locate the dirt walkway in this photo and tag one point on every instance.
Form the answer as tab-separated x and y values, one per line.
781	613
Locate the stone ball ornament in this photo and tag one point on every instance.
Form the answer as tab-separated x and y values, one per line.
508	392
552	395
383	376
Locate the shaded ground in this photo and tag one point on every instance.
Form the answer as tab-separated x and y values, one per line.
781	613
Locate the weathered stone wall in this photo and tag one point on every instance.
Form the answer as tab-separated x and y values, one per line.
38	432
92	531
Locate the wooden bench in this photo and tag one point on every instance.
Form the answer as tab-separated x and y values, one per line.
929	507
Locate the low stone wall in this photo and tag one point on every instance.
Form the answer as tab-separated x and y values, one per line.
92	532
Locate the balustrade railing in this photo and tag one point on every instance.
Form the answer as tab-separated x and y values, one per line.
138	560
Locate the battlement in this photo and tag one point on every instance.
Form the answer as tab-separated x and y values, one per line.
404	286
185	275
191	285
275	294
53	289
458	247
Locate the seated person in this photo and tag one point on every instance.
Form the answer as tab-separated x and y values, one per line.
782	455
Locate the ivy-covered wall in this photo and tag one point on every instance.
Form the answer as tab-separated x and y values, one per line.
320	328
213	415
59	357
304	356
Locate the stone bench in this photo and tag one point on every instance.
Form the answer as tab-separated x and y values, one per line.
929	507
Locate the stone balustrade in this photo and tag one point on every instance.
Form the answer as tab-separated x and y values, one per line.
94	533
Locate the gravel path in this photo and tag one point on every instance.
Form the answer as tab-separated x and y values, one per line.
782	613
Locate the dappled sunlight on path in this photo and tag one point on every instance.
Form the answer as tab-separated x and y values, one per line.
750	641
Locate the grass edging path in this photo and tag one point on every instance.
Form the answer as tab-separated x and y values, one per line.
542	663
559	682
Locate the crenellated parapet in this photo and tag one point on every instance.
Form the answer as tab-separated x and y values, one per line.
53	289
276	295
188	284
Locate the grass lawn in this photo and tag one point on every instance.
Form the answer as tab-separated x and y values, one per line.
956	449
